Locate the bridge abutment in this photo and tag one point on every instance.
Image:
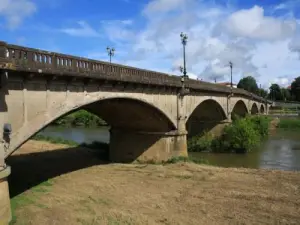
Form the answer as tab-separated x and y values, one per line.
5	209
129	146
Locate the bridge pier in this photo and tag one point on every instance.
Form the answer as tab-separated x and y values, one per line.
128	146
5	210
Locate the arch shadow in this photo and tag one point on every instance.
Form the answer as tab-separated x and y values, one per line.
254	109
206	116
34	168
262	109
239	110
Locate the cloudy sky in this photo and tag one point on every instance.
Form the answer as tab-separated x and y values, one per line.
260	37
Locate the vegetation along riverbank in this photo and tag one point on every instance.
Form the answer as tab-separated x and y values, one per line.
80	118
242	135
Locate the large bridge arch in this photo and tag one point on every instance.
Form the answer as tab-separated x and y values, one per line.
254	109
262	109
126	114
239	109
205	117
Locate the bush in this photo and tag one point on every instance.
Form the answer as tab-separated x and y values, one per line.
200	143
243	135
80	118
240	136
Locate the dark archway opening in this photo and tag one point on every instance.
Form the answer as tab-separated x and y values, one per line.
205	117
254	109
262	109
239	110
33	165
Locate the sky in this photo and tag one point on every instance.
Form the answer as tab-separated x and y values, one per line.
261	38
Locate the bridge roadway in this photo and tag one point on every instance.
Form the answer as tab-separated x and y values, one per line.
150	113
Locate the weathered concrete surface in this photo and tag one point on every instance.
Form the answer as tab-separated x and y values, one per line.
128	146
31	104
5	210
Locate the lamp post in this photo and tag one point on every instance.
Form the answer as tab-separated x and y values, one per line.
111	52
184	38
230	65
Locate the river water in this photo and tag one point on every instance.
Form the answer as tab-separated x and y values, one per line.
281	151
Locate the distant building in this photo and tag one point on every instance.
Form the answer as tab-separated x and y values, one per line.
228	84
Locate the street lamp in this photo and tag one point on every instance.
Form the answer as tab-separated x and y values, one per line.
184	38
111	52
230	64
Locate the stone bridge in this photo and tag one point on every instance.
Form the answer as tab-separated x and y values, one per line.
150	113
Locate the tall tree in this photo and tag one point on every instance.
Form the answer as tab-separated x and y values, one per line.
262	92
249	84
286	94
295	89
275	92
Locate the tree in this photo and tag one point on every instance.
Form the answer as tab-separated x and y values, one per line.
295	89
275	92
249	84
286	94
262	92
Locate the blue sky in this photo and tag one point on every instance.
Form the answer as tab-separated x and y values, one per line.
261	38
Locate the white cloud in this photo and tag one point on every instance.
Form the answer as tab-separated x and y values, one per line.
14	11
257	44
84	30
252	23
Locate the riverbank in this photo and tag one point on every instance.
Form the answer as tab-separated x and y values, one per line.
59	184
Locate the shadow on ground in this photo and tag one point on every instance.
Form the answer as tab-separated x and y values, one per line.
29	170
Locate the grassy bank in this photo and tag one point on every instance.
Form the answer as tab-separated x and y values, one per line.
80	118
70	186
242	135
101	147
289	123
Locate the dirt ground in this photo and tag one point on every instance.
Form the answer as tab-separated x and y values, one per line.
54	184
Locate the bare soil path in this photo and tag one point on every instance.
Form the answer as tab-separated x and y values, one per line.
83	190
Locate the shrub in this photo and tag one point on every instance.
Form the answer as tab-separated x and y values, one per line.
200	143
243	135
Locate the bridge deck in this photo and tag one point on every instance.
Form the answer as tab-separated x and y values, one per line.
23	59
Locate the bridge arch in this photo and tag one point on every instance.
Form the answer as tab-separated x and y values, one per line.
122	113
262	109
239	110
205	117
254	109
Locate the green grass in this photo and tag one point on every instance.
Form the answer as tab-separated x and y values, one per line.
174	160
23	200
289	123
54	140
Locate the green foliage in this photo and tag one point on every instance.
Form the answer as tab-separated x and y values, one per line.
275	92
249	84
200	143
186	159
54	140
295	89
80	118
293	124
243	135
262	92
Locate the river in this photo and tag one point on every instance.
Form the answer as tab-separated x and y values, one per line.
281	150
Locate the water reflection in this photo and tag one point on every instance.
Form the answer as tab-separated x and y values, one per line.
280	151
